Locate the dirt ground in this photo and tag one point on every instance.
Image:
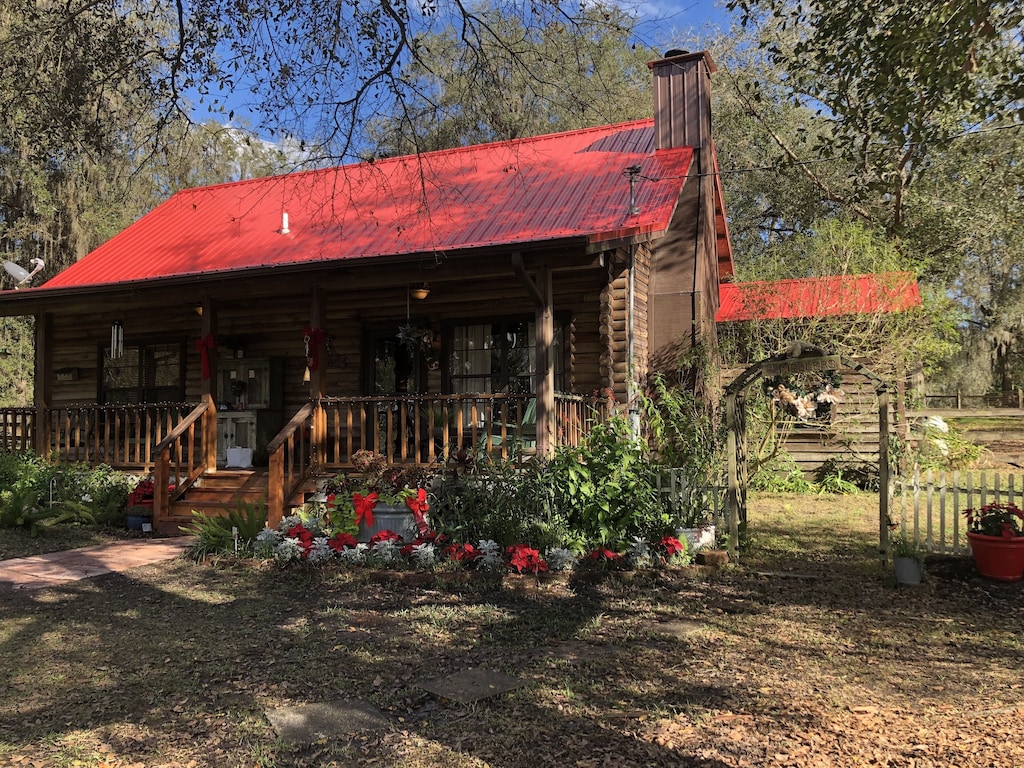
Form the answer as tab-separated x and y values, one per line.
805	653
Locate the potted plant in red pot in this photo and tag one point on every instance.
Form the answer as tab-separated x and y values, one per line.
996	533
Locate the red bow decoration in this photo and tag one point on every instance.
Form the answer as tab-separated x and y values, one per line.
364	507
418	506
313	337
204	345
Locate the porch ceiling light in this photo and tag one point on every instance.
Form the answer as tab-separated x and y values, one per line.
420	292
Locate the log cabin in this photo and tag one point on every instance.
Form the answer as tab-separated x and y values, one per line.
251	335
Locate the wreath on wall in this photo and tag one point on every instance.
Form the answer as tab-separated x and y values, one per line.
806	399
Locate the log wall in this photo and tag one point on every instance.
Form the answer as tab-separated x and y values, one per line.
270	325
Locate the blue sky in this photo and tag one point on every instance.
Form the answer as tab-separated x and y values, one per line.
663	25
686	13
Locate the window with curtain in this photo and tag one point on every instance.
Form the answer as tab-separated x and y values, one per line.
500	357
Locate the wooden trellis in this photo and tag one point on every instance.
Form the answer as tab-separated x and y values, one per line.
797	360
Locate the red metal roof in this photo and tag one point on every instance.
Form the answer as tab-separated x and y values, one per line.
565	185
818	297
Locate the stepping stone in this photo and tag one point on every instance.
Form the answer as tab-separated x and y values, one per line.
308	723
471	685
678	629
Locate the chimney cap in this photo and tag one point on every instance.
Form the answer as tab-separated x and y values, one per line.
678	55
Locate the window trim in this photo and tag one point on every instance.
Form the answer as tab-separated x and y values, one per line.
140	387
562	321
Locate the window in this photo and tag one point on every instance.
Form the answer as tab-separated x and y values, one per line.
499	357
397	367
144	374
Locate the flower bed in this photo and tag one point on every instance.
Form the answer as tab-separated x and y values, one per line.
304	540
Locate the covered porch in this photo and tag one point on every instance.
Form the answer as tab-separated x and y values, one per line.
178	442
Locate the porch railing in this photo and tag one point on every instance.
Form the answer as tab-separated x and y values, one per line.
183	455
430	429
17	429
123	436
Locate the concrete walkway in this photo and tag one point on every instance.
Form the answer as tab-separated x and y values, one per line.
56	568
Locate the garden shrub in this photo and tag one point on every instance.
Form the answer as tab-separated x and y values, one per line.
607	488
81	493
838	476
781	474
21	506
687	435
501	502
215	534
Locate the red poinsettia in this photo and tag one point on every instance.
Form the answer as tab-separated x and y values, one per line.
604	554
385	536
304	537
339	542
671	546
462	553
996	519
524	559
141	494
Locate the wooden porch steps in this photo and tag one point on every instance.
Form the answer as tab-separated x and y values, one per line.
217	493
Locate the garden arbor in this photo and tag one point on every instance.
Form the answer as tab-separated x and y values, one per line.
799	358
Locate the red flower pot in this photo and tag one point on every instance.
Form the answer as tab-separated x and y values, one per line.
998	557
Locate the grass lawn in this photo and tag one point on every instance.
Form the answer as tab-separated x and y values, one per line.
804	654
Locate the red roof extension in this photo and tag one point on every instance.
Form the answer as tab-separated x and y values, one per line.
818	297
565	185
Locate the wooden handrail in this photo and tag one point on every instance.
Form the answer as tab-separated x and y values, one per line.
290	452
294	423
187	458
175	434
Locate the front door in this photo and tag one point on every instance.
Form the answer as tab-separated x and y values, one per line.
398	369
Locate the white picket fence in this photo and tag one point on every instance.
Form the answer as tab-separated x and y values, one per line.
930	506
681	496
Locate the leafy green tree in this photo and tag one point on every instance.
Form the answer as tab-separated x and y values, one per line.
898	80
970	208
519	81
907	340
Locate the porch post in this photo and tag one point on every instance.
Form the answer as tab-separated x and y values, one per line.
318	378
545	370
208	387
883	474
542	292
43	387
